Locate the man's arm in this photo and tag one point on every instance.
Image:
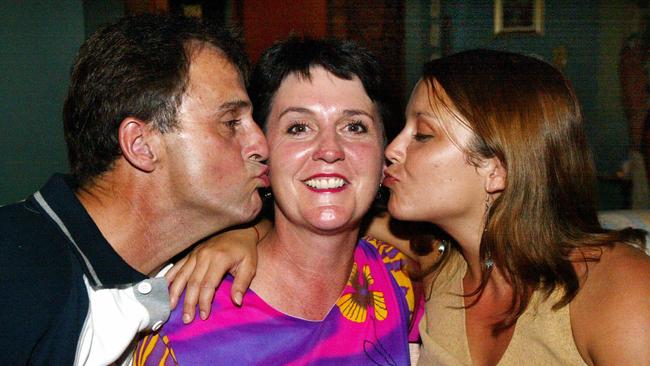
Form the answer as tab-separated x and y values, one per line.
34	283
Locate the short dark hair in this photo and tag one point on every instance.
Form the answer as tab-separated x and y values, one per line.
296	55
136	67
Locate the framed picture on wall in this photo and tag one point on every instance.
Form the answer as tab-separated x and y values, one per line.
518	16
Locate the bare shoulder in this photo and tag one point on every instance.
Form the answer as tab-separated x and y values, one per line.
610	316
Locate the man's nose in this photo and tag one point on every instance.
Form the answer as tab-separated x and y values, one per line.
257	149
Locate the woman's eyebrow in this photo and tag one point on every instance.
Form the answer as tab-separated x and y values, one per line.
346	113
356	112
295	109
424	114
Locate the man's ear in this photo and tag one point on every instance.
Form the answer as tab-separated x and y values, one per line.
495	175
138	141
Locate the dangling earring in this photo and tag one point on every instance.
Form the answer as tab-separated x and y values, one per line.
488	204
381	198
268	195
489	263
442	247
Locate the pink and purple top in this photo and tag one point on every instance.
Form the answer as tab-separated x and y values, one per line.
370	324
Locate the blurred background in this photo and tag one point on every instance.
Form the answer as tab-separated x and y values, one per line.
39	39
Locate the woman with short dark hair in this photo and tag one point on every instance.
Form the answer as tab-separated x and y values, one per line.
320	295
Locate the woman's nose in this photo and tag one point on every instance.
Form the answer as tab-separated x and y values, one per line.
396	150
329	148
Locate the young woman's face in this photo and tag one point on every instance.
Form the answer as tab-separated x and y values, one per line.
325	141
430	178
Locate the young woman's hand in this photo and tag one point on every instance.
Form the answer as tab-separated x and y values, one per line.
200	272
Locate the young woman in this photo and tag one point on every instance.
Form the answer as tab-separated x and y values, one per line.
493	152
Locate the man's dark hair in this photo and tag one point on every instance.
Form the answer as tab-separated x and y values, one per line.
136	67
345	59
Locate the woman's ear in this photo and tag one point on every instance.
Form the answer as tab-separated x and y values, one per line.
138	141
495	175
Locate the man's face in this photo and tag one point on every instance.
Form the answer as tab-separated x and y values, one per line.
214	158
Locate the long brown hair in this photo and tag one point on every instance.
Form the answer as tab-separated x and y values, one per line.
525	113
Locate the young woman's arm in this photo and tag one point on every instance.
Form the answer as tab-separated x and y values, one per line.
200	272
610	316
399	234
234	251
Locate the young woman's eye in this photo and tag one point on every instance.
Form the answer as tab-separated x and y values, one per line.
356	127
420	137
297	128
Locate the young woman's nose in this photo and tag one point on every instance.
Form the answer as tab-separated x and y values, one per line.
396	150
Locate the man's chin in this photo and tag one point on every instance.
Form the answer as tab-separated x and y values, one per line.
256	207
242	213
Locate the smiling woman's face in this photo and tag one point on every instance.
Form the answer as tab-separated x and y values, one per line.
325	145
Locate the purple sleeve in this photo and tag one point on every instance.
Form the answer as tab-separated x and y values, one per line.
154	349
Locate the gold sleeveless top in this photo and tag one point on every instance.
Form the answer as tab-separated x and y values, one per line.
541	336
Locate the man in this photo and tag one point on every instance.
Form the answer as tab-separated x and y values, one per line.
163	152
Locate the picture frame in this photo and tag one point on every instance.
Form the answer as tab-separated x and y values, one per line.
518	16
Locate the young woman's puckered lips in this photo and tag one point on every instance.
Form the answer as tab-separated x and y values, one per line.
389	179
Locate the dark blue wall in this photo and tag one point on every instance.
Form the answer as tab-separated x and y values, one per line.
578	27
417	49
38	40
573	26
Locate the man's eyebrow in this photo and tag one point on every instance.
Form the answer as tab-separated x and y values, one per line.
234	105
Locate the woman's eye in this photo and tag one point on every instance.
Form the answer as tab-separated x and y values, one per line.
356	127
422	137
298	128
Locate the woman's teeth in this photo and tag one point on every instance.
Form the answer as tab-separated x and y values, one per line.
325	183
